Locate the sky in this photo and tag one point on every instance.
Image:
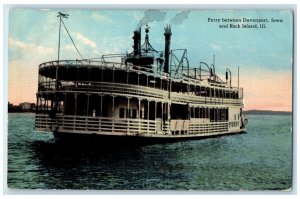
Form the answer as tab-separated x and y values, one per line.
263	55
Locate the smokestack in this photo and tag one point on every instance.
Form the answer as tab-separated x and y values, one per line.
167	34
137	42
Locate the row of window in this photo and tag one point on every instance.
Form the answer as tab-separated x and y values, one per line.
214	114
127	113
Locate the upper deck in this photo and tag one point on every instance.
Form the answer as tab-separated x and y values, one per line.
126	79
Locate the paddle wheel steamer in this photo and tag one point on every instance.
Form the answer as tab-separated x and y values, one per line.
146	95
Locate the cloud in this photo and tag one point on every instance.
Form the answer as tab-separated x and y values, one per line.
24	59
69	47
45	9
85	40
215	46
29	49
100	18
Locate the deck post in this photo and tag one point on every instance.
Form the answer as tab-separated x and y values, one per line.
102	72
127	113
113	72
139	108
88	104
214	96
169	115
210	94
205	93
101	103
148	115
65	101
113	105
75	111
147	80
223	93
37	104
155	104
162	115
169	111
127	75
148	109
113	112
139	114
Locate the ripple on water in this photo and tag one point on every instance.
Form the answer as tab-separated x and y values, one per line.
261	159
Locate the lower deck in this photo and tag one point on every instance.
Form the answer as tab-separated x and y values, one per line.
120	127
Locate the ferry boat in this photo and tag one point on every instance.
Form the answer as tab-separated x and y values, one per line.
147	95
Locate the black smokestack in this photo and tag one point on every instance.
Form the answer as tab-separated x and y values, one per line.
167	34
137	42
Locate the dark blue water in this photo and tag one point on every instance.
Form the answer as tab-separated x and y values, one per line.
260	159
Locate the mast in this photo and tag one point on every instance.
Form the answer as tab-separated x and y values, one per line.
53	114
58	52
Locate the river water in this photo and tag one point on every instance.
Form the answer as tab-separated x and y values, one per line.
260	159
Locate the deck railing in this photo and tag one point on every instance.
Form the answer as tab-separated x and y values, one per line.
80	124
204	128
92	63
118	88
120	126
203	100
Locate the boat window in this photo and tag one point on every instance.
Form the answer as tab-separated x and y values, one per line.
121	113
133	111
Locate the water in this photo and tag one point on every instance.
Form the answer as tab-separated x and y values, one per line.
260	159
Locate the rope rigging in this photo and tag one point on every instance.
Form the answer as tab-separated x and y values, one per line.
71	39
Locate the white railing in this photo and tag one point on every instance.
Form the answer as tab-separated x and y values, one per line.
205	128
185	98
101	64
120	126
119	88
92	63
117	126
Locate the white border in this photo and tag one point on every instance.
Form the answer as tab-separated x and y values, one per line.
213	4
